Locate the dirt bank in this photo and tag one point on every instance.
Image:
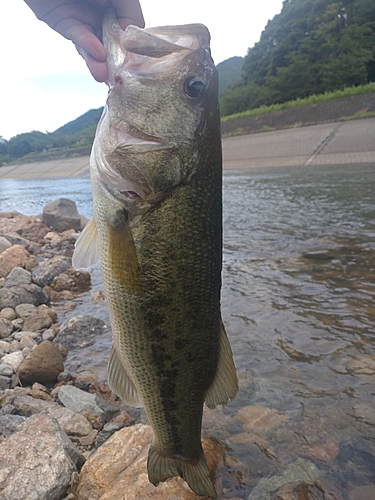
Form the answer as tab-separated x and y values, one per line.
311	114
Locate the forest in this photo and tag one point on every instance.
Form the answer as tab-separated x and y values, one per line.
311	47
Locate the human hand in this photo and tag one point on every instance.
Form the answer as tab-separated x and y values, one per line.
81	22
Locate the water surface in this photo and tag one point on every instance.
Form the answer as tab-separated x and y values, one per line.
298	305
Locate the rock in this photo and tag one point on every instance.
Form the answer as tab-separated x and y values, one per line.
98	296
31	228
61	215
14	346
25	333
107	431
296	491
299	471
9	424
6	328
260	419
26	473
73	424
18	289
4	244
4	346
38	322
6	370
48	335
43	364
27	342
25	310
89	439
18	324
74	331
45	273
78	401
73	281
14	359
120	464
27	405
15	256
8	313
44	309
16	239
5	382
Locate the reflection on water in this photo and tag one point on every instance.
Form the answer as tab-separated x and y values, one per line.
298	305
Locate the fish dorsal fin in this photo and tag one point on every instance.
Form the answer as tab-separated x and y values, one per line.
120	382
225	384
86	251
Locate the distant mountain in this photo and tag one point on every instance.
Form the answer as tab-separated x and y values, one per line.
82	122
229	72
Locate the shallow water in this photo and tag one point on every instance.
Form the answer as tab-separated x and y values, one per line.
298	305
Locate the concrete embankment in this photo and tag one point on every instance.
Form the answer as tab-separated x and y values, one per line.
337	143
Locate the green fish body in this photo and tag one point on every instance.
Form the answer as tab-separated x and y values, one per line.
156	173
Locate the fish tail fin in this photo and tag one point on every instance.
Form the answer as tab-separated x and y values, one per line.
195	473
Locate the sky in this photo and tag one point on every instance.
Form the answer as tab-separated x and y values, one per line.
45	83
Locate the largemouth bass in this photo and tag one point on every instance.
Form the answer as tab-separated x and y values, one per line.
156	174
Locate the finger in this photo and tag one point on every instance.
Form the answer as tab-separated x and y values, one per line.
98	69
129	12
83	37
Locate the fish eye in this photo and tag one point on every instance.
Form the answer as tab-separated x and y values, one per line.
194	87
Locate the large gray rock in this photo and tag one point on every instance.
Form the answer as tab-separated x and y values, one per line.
61	215
37	462
45	273
78	329
73	424
18	289
9	424
16	239
27	405
79	401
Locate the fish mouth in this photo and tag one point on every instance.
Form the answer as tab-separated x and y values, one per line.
135	137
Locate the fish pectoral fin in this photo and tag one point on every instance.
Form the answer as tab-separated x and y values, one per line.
86	251
225	384
160	467
120	382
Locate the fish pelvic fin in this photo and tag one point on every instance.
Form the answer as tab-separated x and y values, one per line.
225	384
86	251
120	382
195	473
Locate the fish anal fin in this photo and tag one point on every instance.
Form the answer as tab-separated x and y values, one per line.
120	382
86	251
160	467
225	384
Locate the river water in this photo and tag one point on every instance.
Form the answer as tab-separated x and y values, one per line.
298	305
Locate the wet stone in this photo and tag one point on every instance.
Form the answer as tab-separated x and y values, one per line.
78	401
6	328
45	273
9	424
74	331
8	313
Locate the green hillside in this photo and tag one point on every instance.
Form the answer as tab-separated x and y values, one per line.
311	47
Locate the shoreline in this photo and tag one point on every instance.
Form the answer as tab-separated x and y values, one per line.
336	143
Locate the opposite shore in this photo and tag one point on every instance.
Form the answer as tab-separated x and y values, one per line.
337	143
